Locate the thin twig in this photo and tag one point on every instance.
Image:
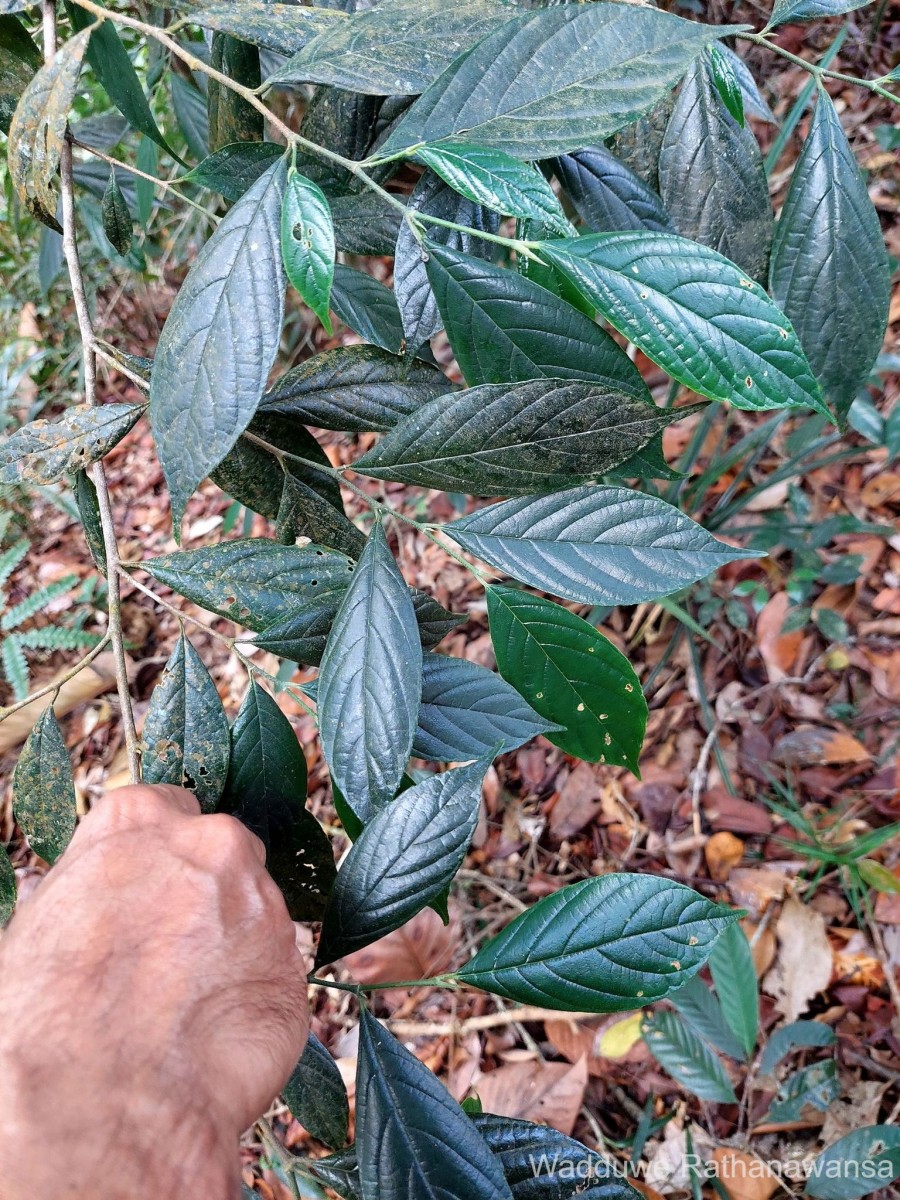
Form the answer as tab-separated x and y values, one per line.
512	1016
86	330
58	682
163	183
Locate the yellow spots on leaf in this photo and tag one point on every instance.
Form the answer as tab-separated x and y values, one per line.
693	941
783	333
629	687
602	716
746	283
748	381
590	649
644	295
676	965
607	740
635	270
581	707
539	696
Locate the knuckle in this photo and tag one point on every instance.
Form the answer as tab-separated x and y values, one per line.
223	840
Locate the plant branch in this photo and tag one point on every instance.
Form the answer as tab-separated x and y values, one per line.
873	85
363	989
163	183
57	683
86	330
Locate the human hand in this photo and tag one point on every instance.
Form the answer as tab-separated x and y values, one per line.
152	1002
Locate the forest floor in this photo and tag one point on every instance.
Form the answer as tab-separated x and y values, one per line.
743	717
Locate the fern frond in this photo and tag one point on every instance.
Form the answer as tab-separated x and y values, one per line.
56	637
36	601
15	666
11	558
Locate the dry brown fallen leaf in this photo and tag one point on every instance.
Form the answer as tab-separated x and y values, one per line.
778	650
581	1039
858	1108
548	1093
723	852
755	888
743	1176
421	948
815	746
578	802
803	963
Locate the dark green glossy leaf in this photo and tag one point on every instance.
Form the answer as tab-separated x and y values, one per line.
405	857
232	118
829	267
508	439
597	545
703	1012
570	674
284	28
116	217
185	734
190	112
356	389
266	789
637	145
396	48
254	474
212	364
345	123
304	513
468	711
789	1037
504	328
649	463
89	512
418	309
814	1086
711	176
727	84
301	635
307	244
316	1095
19	59
7	887
607	195
811	10
109	59
43	451
412	1138
496	180
695	313
370	682
556	79
365	224
43	790
854	1165
367	307
235	168
37	129
734	978
255	581
565	1165
608	944
688	1059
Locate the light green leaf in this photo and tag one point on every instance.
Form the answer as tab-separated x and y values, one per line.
571	674
212	364
496	180
556	79
43	451
687	1059
404	858
44	790
38	127
726	82
185	734
395	48
864	1161
791	1036
607	944
695	313
815	1085
703	1012
830	268
734	978
508	439
370	683
597	545
307	244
